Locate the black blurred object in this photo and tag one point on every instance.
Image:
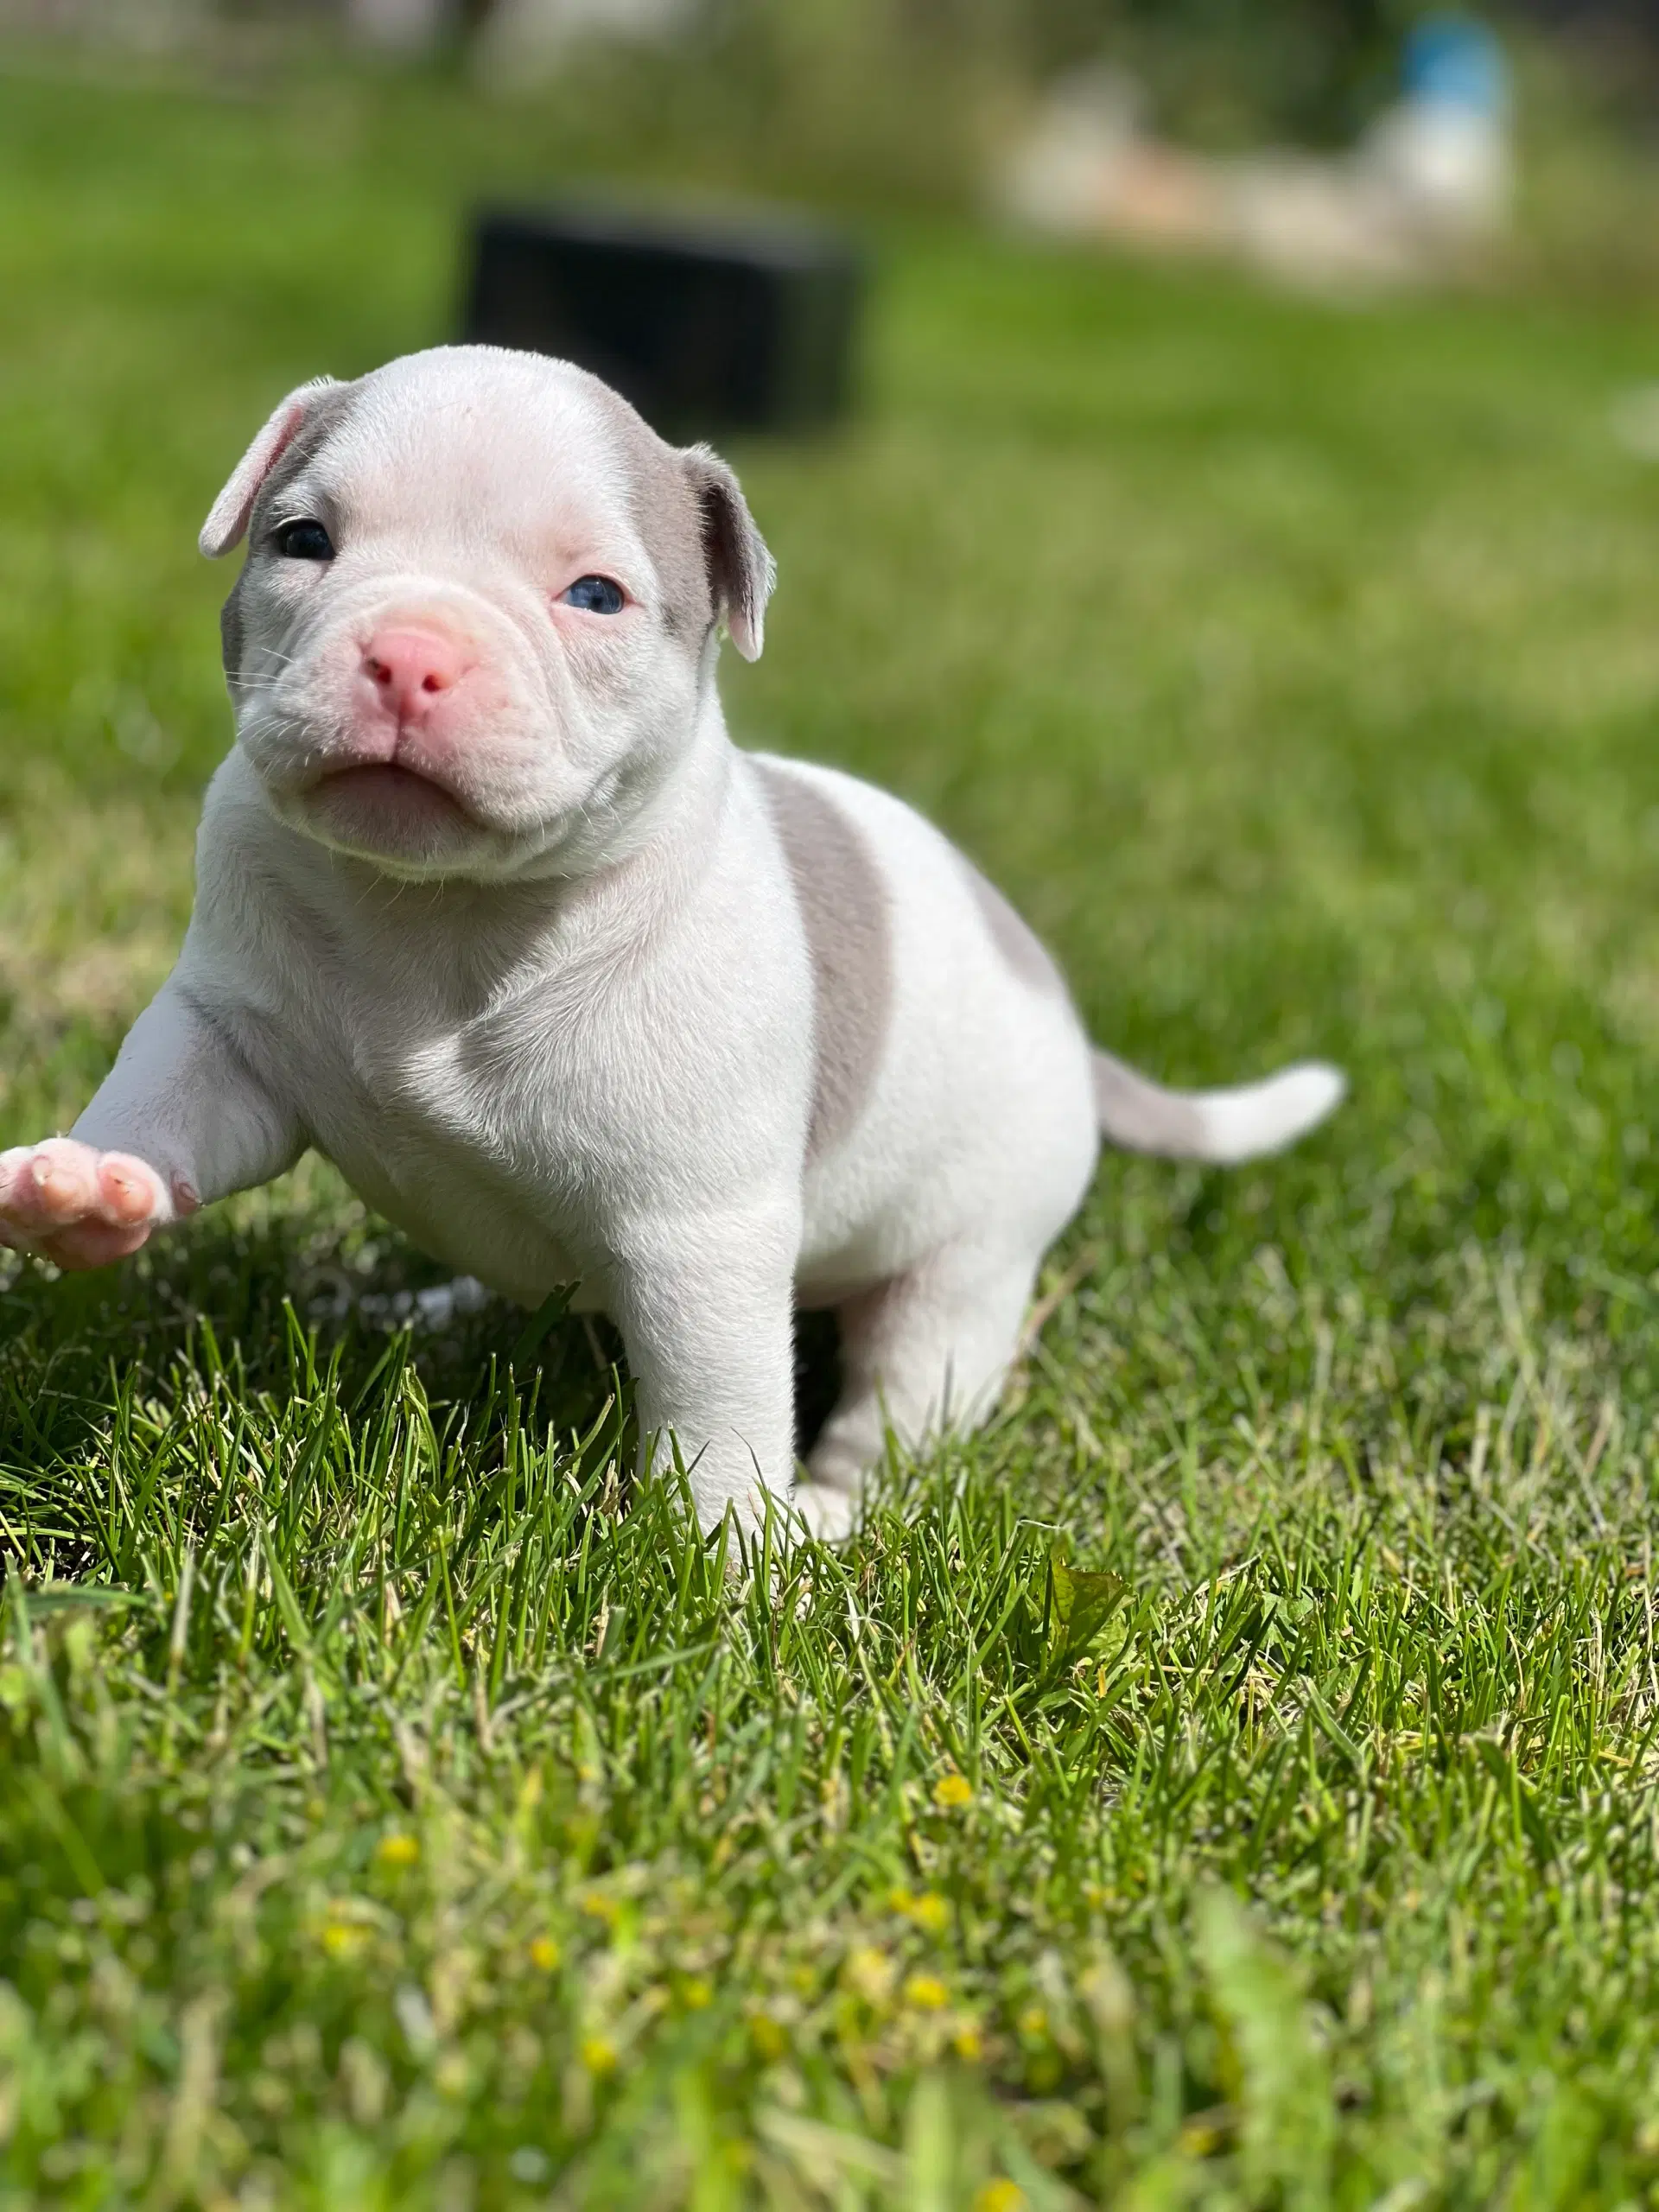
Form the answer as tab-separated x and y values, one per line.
726	324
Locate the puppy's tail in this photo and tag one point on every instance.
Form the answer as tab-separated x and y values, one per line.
1221	1126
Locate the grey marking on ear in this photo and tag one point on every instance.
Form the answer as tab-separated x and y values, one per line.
670	519
710	559
227	518
326	416
1019	945
742	572
233	630
843	906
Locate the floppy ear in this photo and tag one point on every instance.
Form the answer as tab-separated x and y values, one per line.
740	570
227	521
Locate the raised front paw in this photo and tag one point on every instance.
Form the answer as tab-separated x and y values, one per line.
79	1207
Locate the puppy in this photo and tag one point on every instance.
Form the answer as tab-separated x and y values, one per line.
491	911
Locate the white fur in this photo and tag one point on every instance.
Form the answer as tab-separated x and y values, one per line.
536	976
1263	1117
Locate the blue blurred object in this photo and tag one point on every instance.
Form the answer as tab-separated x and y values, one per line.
1454	61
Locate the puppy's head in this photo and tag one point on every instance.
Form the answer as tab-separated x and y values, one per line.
474	629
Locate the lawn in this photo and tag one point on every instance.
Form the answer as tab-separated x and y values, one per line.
394	1812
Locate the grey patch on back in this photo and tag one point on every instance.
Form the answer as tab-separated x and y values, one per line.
1142	1116
843	905
1022	948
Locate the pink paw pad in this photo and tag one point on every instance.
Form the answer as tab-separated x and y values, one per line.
78	1207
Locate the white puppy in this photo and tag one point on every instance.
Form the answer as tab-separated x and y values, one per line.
492	912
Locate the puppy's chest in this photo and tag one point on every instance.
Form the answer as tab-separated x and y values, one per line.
423	1090
470	1128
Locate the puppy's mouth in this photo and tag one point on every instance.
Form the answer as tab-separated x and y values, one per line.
383	802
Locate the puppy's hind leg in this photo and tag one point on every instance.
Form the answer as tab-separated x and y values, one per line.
922	1354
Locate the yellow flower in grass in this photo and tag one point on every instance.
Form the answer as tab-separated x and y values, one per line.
341	1940
999	2196
770	2039
696	1995
599	2054
929	1912
952	1791
396	1851
598	1906
1033	2021
926	1992
969	2044
544	1953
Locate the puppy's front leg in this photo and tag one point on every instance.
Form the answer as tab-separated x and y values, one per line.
179	1120
706	1308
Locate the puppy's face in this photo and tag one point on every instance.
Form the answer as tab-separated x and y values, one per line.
473	632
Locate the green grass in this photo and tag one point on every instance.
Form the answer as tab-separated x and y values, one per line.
395	1814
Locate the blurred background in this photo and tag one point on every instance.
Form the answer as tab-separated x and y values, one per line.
942	104
1240	535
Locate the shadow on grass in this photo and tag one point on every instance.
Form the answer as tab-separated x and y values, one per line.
276	1313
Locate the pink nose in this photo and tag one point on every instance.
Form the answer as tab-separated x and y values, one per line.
410	668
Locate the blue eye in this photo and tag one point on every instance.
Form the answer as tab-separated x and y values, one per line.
595	595
304	541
